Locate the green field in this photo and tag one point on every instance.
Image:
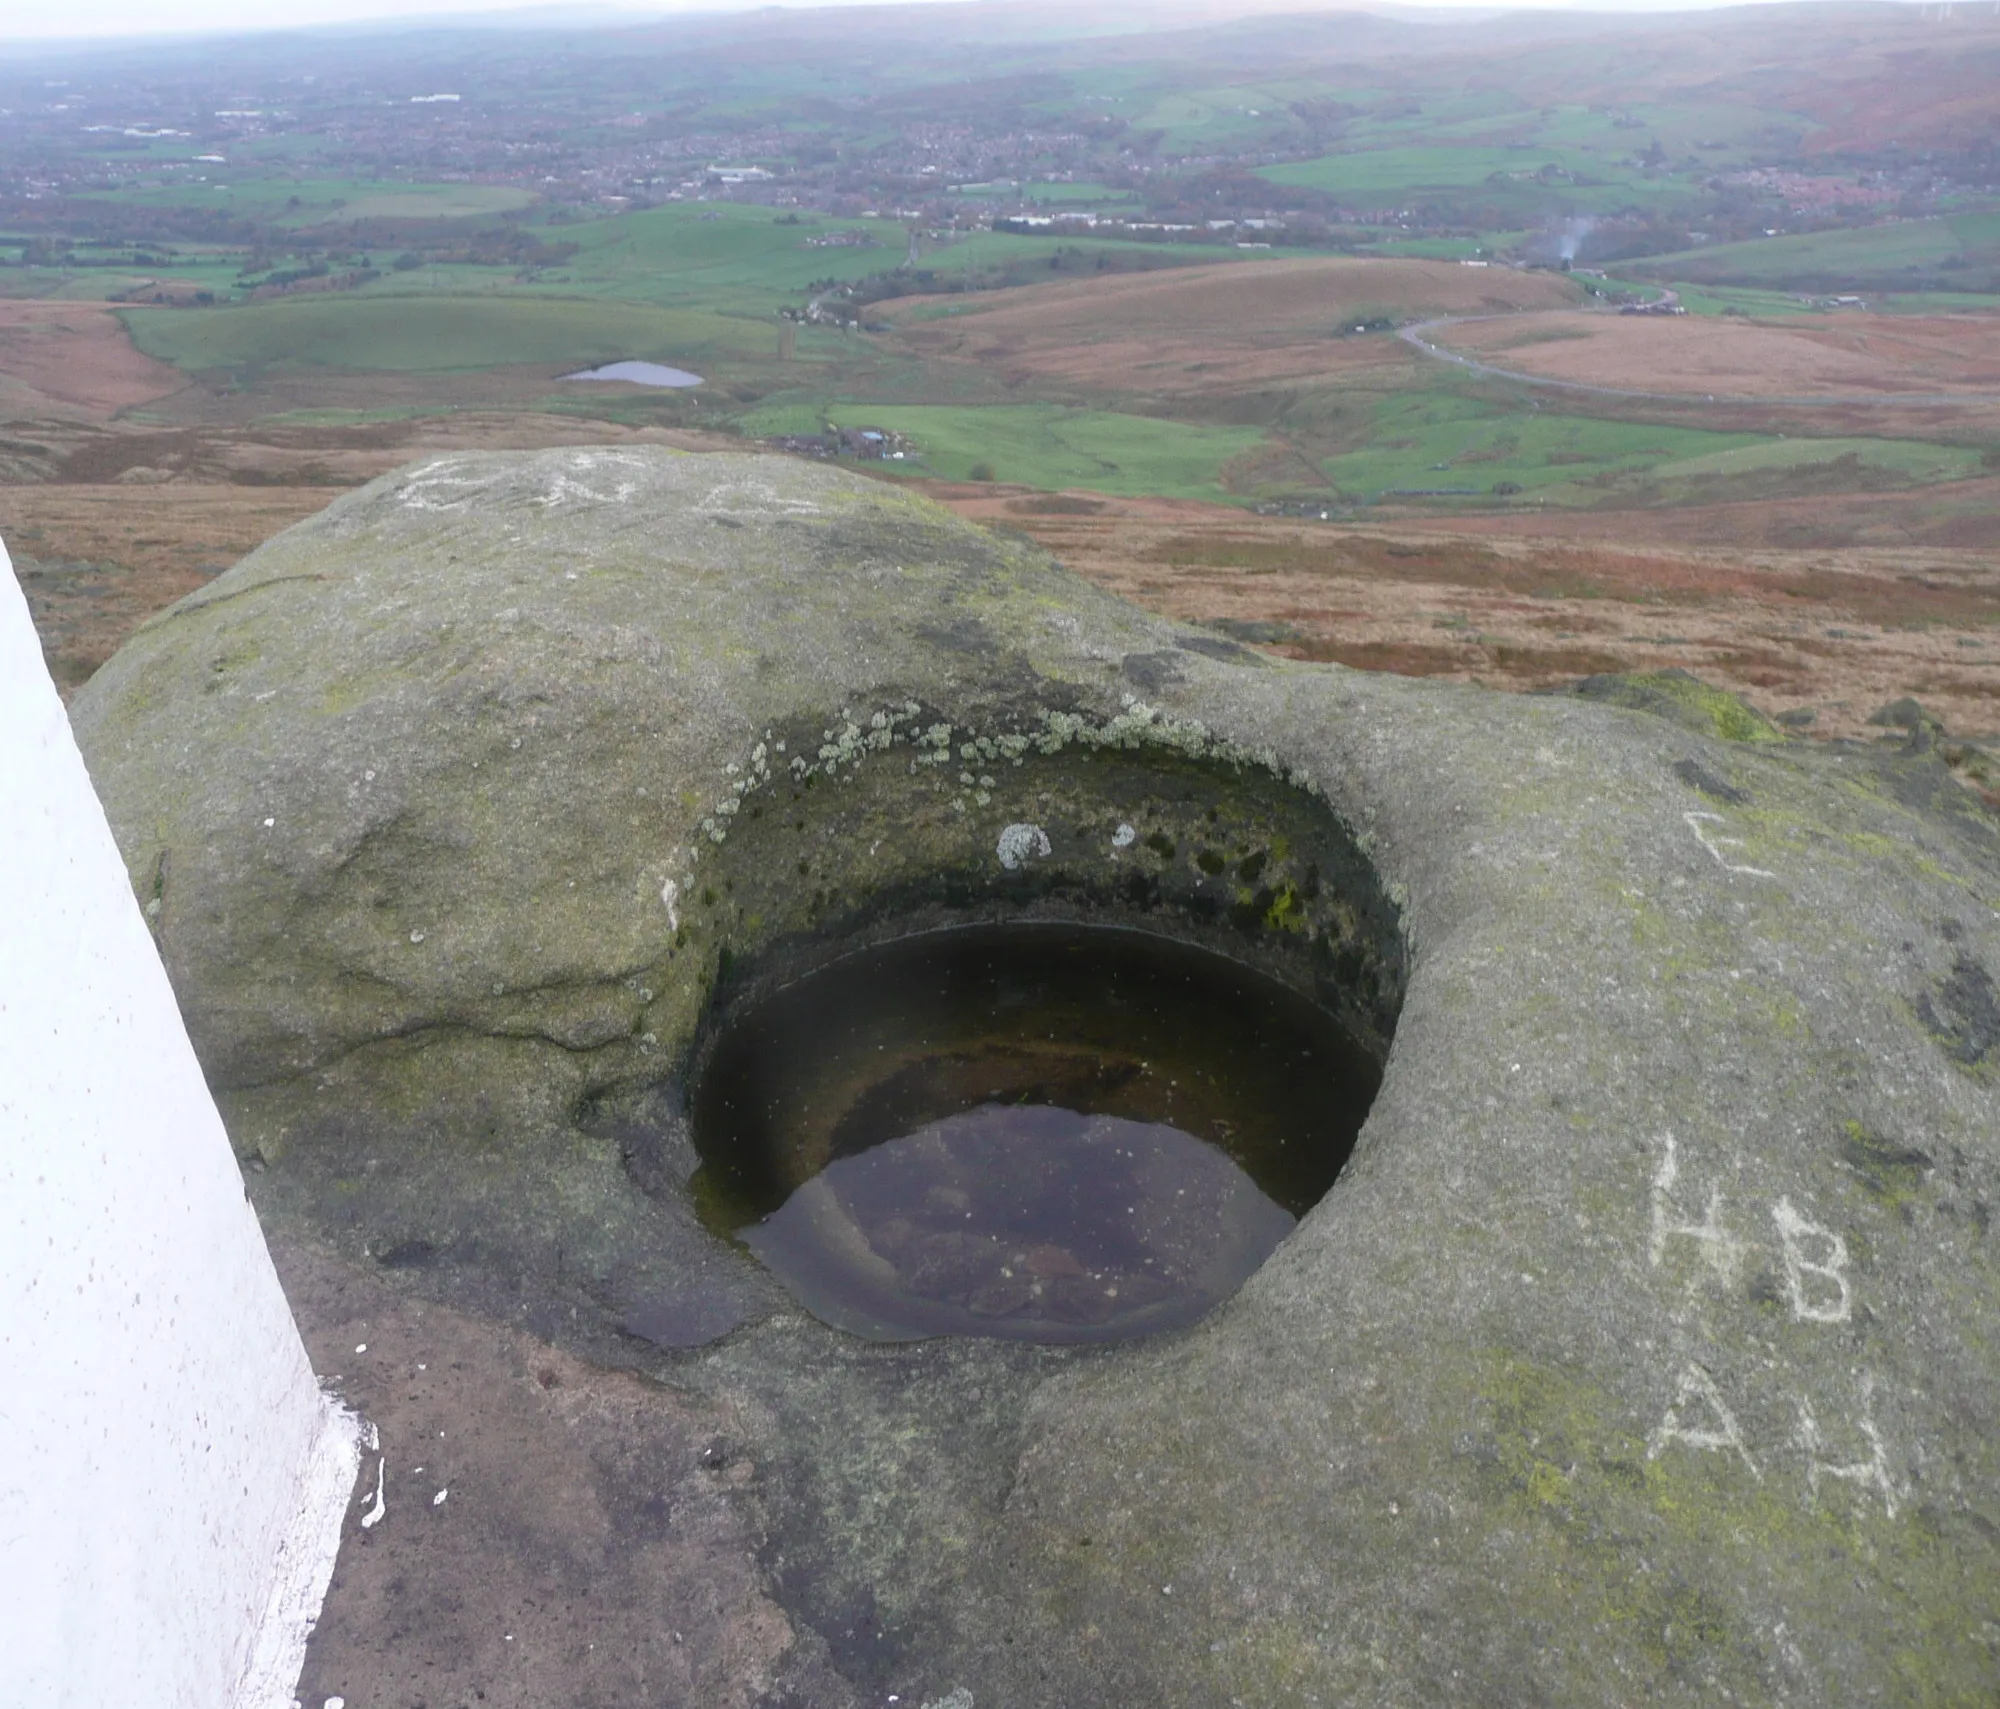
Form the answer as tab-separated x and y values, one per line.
1204	119
1858	259
1495	188
315	201
437	334
1720	299
432	202
1934	302
1039	445
1394	171
1438	439
1441	440
739	259
1902	459
1009	251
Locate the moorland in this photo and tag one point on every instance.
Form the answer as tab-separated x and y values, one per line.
1504	348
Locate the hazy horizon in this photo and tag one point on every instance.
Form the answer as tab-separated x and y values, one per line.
97	21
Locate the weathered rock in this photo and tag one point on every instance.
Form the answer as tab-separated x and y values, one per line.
1685	699
1648	1349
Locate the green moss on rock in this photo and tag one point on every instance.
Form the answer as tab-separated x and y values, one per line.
1686	700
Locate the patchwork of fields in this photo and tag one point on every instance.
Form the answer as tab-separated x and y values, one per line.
1133	406
1259	378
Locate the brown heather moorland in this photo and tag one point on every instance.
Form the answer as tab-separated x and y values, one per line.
1841	355
1209	329
1833	633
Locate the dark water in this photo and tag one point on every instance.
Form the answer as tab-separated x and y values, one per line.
1051	1133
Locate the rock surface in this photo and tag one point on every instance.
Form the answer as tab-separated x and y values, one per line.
1647	1351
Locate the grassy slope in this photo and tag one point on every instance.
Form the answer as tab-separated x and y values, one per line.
665	285
1040	444
1861	258
738	260
1480	445
435	334
313	201
1906	459
999	249
1389	171
1439	439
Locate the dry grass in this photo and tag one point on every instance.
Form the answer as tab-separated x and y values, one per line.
1211	329
73	361
95	562
1851	355
1835	634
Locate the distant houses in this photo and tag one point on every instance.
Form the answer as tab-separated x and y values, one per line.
1070	223
869	444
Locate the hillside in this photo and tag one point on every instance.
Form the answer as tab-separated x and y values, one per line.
1204	329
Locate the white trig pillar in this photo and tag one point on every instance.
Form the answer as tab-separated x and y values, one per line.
172	1478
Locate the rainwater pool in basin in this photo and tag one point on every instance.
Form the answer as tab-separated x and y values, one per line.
1035	1131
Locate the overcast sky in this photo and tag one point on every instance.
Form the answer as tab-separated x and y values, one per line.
21	20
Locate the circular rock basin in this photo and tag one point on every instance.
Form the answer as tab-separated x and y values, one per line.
1042	1132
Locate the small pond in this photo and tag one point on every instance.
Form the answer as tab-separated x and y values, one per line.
638	374
1039	1132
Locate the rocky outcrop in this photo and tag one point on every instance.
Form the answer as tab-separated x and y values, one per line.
1646	1350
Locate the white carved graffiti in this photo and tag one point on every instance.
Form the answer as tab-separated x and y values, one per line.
1818	1285
574	483
759	499
1716	844
443	485
1818	1290
1720	1250
1871	1473
1720	1434
582	477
